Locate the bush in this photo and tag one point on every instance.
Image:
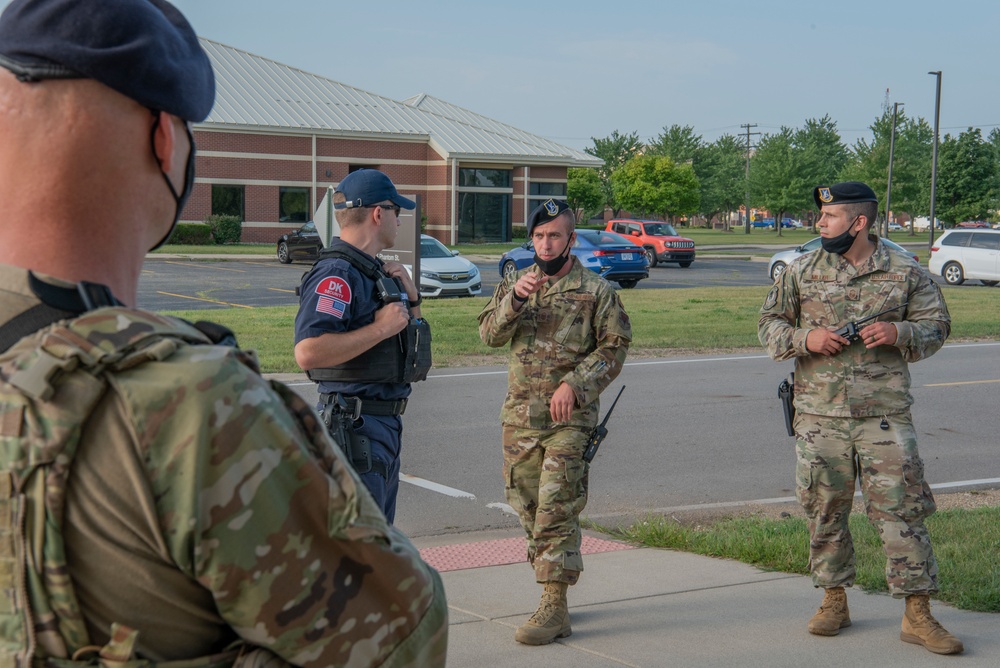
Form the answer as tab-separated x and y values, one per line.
519	232
225	229
191	234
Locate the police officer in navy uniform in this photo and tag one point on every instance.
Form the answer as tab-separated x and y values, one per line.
347	329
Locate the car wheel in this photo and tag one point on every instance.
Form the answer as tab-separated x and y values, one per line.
283	257
989	284
777	270
509	268
685	264
628	285
952	274
650	257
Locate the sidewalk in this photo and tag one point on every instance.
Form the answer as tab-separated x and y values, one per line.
653	608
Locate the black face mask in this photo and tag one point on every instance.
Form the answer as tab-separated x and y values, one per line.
179	199
552	267
841	243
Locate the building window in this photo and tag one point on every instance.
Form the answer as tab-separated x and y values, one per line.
293	205
484	178
483	217
228	201
485	196
538	192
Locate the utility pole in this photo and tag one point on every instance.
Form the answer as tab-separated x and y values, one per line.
746	222
937	120
892	147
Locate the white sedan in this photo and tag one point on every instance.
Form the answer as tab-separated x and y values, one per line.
782	259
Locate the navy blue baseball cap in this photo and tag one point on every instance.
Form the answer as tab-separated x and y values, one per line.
144	49
847	192
367	187
546	212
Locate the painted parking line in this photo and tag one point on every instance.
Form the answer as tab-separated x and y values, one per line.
202	299
436	487
205	265
282	290
963	382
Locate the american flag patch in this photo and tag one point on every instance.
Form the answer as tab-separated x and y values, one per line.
334	307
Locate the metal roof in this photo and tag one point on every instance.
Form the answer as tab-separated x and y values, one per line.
258	93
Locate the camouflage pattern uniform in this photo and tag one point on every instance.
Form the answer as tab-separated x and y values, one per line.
840	403
200	511
574	331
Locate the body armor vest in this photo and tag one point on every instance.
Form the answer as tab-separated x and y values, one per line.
404	358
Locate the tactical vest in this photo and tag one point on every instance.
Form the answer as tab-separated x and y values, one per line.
49	385
404	358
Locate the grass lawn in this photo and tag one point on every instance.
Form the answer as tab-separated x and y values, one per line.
663	321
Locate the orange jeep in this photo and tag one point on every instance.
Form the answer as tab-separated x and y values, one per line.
658	239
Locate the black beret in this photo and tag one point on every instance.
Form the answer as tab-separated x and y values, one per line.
847	192
546	212
144	49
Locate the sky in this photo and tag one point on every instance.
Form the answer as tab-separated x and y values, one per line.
573	70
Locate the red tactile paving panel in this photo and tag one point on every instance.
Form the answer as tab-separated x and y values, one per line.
500	552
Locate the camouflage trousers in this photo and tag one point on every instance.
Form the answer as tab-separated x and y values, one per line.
545	480
832	453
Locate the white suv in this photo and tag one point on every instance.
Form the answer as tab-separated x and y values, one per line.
963	254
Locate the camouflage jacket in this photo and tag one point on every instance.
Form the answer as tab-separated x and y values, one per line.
822	289
574	331
151	482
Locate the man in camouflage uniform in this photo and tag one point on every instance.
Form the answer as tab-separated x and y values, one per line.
159	500
852	405
569	336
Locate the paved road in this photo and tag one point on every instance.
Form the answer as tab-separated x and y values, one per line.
179	284
688	430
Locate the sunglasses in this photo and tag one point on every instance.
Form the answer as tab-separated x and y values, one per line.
393	207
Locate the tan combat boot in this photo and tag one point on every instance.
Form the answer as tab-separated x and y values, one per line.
550	621
920	628
832	615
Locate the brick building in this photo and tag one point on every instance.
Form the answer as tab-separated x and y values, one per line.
278	137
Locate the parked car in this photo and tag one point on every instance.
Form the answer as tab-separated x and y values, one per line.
659	240
974	224
782	259
895	227
959	255
303	245
607	254
444	274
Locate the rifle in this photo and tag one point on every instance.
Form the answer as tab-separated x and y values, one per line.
850	330
600	431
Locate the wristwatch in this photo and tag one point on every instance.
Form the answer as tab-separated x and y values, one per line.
420	299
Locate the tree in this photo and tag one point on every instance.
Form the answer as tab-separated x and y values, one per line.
722	174
678	143
774	180
911	168
966	177
583	191
656	185
819	156
615	151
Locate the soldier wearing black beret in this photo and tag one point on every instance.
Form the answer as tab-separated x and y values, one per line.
569	336
852	418
160	502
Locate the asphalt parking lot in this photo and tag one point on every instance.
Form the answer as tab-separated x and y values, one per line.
179	283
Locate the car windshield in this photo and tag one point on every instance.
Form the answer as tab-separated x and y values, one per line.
433	248
660	230
308	228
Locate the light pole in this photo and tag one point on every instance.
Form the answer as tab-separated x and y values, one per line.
937	120
892	148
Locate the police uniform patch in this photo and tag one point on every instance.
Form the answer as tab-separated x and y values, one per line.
334	296
551	207
772	298
824	195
